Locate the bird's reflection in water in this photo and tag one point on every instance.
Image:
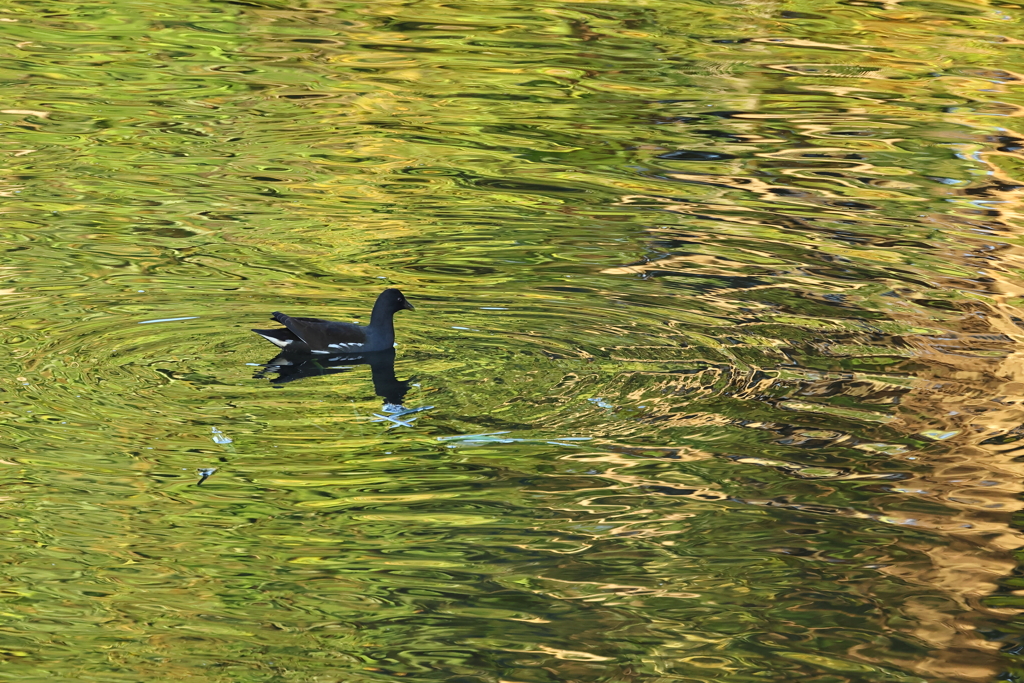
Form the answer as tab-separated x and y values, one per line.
297	365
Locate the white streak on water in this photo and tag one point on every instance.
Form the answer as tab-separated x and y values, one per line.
167	320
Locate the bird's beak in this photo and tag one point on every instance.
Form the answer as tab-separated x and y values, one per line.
408	306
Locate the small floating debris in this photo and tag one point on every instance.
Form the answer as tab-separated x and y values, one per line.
395	422
220	437
167	320
204	474
395	414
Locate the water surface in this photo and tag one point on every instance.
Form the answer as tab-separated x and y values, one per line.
719	308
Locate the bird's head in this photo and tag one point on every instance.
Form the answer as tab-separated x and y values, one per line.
393	301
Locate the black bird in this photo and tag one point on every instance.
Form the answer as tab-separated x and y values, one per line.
312	335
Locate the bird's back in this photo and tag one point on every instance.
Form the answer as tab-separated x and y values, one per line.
325	335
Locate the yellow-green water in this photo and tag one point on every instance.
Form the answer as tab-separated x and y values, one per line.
734	289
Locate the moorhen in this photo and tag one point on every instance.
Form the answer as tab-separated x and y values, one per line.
312	335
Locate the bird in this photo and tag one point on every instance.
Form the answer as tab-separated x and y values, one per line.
313	335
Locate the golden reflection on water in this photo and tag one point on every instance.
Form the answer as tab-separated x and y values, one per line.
965	390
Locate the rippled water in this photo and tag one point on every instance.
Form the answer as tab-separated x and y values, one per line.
719	310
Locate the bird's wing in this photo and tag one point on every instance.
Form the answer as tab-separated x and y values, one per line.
319	334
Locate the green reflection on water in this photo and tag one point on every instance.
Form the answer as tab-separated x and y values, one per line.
717	307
